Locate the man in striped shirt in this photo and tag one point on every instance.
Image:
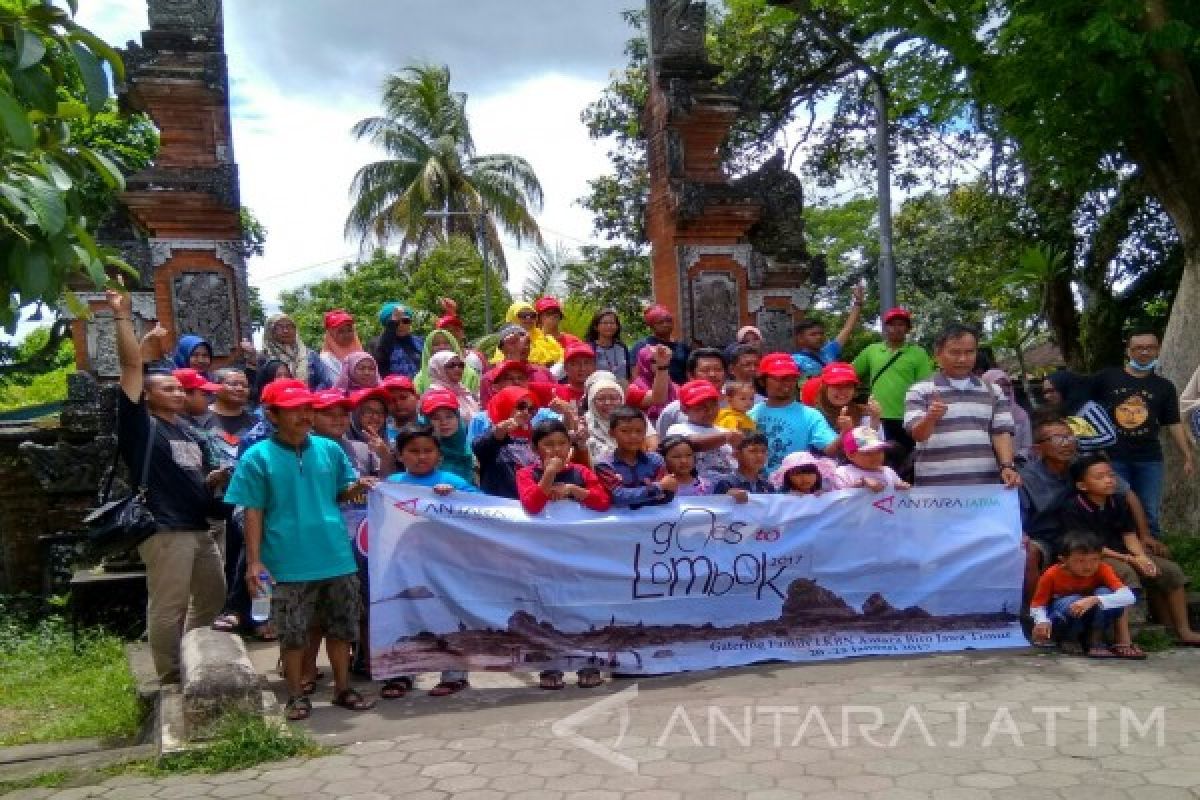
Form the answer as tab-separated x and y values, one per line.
963	426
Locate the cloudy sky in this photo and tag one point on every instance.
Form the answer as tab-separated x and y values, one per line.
303	71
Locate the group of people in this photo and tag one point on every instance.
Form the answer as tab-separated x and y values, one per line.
250	462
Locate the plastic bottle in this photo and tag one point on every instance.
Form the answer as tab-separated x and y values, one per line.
260	607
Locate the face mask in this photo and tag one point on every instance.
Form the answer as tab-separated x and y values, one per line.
1140	367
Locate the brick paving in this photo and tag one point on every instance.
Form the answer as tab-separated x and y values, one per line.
948	727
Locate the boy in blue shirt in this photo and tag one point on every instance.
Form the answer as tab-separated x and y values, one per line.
290	485
633	477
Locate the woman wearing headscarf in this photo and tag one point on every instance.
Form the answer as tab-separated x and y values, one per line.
399	350
543	350
368	424
447	372
359	371
604	393
193	352
438	342
646	371
1071	394
1023	438
506	448
282	343
341	339
747	334
442	411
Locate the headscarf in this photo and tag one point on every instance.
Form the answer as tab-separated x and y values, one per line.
186	346
295	355
742	331
543	349
338	353
439	378
601	444
409	343
1075	389
346	381
644	379
457	456
504	404
423	380
264	375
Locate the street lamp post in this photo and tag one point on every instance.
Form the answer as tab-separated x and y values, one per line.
480	218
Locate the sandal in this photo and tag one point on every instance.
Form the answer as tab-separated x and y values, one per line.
1129	651
589	678
395	688
227	623
265	632
1100	651
446	688
297	708
351	700
551	679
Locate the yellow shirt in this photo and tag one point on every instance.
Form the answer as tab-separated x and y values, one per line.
732	420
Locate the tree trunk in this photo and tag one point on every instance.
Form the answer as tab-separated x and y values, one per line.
1180	355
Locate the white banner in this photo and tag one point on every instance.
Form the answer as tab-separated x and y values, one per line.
472	582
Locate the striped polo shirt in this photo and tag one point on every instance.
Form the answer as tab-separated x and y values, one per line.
959	453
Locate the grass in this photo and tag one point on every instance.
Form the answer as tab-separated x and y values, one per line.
47	780
50	692
1185	551
1154	640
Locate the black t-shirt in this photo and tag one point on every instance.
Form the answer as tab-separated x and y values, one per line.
1110	521
176	492
1139	407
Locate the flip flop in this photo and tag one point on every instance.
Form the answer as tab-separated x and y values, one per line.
351	700
227	623
297	708
589	678
1129	651
551	679
1102	652
447	688
395	688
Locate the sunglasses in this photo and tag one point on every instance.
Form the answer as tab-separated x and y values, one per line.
455	365
524	405
527	315
404	321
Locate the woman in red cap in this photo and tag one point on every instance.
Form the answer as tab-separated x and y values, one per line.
838	383
340	341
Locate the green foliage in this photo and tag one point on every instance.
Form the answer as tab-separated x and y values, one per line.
1185	551
48	383
452	269
1154	640
53	691
239	742
44	174
46	780
431	166
129	140
546	272
254	233
614	277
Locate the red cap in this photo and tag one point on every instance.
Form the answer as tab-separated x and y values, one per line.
449	321
337	318
508	366
693	393
778	365
284	394
373	393
839	373
191	379
810	390
578	350
547	304
329	398
655	313
897	313
436	399
399	383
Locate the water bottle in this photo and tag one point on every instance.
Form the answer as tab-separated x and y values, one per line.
260	607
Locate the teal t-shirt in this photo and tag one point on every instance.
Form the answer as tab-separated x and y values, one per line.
433	479
304	535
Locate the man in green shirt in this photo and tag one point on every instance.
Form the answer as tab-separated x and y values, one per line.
888	368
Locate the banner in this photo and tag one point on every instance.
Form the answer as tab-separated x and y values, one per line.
471	582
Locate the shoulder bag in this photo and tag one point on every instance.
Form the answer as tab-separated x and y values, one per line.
120	525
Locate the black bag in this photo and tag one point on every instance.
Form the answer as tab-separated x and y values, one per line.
117	526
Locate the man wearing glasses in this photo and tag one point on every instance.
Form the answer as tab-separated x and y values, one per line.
1141	403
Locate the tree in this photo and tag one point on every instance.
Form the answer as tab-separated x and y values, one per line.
254	233
613	277
431	166
362	288
547	271
454	269
44	175
46	360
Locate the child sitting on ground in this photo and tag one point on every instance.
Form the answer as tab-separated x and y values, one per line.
633	477
740	397
803	473
680	461
866	452
750	477
700	401
419	451
1081	596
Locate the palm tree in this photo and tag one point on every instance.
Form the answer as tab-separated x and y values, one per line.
431	165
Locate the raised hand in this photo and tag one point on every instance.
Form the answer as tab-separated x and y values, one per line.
668	484
117	301
937	408
449	306
553	466
844	420
662	355
858	293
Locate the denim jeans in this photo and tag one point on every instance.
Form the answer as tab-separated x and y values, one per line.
1096	619
1146	480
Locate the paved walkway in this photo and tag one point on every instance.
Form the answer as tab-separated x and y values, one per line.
976	725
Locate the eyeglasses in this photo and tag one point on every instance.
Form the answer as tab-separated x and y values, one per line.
524	405
455	365
1144	348
527	315
1058	439
404	321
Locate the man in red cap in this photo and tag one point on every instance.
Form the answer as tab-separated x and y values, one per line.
887	369
579	362
185	582
198	392
790	426
661	323
296	547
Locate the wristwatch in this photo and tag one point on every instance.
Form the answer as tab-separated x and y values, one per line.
1009	465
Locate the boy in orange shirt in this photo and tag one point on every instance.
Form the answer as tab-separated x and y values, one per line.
1081	596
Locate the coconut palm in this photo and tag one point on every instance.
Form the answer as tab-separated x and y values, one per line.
431	165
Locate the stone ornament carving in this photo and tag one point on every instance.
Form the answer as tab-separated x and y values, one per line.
775	324
69	468
203	304
676	29
227	252
184	14
800	298
687	255
715	316
141	304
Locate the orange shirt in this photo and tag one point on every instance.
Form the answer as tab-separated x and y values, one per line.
1057	582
